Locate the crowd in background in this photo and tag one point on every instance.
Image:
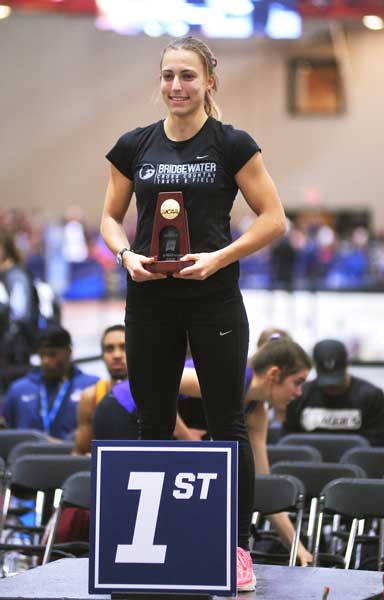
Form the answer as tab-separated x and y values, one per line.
315	254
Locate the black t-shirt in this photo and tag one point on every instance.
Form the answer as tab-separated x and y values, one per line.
203	168
360	409
112	421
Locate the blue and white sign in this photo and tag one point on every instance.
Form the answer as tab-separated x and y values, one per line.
164	517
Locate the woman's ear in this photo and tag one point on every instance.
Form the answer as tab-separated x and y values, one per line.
273	374
210	83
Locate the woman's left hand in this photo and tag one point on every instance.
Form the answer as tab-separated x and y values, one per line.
206	263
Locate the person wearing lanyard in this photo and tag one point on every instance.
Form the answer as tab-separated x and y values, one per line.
46	398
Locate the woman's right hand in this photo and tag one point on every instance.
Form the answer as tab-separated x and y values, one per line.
134	263
304	556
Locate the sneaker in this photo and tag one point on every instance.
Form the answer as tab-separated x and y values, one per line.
246	579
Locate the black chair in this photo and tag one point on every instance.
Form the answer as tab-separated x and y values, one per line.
314	477
2	480
40	447
331	445
369	459
76	492
357	499
35	477
274	494
10	437
277	453
274	433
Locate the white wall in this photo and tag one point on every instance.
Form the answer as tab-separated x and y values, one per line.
68	91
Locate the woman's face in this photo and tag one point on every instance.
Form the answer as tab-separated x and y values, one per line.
282	392
183	82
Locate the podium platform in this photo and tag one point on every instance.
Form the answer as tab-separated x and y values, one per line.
67	579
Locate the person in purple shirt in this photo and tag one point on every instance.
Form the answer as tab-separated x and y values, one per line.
274	378
46	398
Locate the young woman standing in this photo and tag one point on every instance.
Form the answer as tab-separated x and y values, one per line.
193	152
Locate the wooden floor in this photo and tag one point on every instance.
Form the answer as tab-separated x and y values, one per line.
68	579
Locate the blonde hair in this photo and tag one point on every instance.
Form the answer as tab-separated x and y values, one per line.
209	62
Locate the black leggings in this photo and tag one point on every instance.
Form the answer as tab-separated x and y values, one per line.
156	341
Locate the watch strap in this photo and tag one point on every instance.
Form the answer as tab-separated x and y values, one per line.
119	256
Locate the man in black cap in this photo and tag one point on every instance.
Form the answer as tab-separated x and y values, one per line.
46	398
337	402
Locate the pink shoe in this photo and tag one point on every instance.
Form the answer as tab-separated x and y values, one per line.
246	579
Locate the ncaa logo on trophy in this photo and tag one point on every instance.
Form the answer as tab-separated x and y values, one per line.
170	209
170	234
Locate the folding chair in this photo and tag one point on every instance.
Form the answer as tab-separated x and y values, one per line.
33	447
10	437
357	499
77	493
2	482
278	453
36	477
314	477
370	459
331	445
274	494
274	433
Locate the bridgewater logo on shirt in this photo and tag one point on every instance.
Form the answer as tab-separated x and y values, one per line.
327	418
147	171
201	172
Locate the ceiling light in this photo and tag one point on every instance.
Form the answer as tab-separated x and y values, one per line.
5	11
373	22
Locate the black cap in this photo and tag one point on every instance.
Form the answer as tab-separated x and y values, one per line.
331	360
54	336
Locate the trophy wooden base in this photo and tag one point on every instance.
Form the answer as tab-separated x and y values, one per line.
168	266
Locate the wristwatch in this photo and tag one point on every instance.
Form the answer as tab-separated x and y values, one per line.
119	256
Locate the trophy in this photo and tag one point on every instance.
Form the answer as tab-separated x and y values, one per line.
170	235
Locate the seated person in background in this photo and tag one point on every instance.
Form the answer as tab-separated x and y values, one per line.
277	372
113	353
46	398
191	409
276	413
335	401
106	410
115	417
